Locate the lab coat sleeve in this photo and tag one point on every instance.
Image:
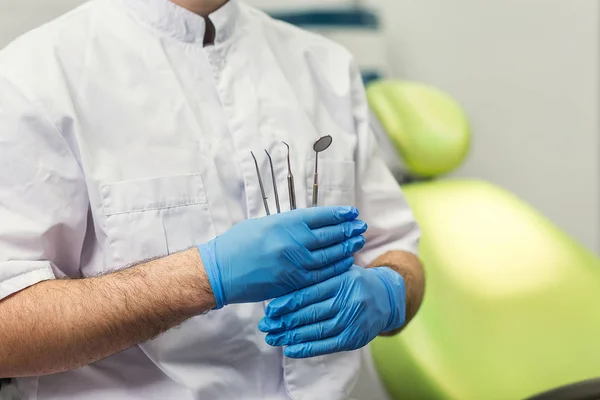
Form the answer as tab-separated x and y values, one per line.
379	197
43	198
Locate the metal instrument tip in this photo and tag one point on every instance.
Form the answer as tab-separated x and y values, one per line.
288	159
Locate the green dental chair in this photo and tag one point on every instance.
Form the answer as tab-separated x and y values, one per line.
512	306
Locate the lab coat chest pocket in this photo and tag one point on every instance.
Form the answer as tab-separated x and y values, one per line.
154	217
336	182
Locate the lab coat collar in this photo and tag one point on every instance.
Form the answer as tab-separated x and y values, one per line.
183	24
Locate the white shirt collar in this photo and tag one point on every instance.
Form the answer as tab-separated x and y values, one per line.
176	21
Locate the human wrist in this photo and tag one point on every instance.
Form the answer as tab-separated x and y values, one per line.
208	260
207	293
193	294
396	291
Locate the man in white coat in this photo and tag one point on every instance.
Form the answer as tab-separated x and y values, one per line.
136	259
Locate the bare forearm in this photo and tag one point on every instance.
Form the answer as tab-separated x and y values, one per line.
61	325
411	269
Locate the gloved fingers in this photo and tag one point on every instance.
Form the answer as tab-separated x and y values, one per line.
309	315
329	255
304	297
305	334
331	235
314	349
318	217
320	275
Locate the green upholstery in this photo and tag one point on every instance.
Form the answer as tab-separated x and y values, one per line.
512	303
512	306
427	127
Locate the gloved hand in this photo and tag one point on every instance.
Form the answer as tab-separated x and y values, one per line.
260	259
341	314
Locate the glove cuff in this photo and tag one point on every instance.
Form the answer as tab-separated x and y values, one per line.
208	255
396	289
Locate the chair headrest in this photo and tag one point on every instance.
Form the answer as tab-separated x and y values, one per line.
428	128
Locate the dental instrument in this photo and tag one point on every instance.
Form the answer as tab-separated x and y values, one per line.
320	145
290	179
274	183
262	188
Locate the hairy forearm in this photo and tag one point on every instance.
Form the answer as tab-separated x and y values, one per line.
411	269
60	325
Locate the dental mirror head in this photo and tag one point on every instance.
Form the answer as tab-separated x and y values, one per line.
323	144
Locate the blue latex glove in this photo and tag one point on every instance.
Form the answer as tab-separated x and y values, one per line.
260	259
341	314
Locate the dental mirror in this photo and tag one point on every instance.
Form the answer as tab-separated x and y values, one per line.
320	146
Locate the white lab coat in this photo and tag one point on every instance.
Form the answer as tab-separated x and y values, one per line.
122	138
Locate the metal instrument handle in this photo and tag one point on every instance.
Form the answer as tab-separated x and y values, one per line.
292	192
315	194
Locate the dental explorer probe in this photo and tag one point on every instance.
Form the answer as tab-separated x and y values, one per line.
290	179
274	183
262	188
